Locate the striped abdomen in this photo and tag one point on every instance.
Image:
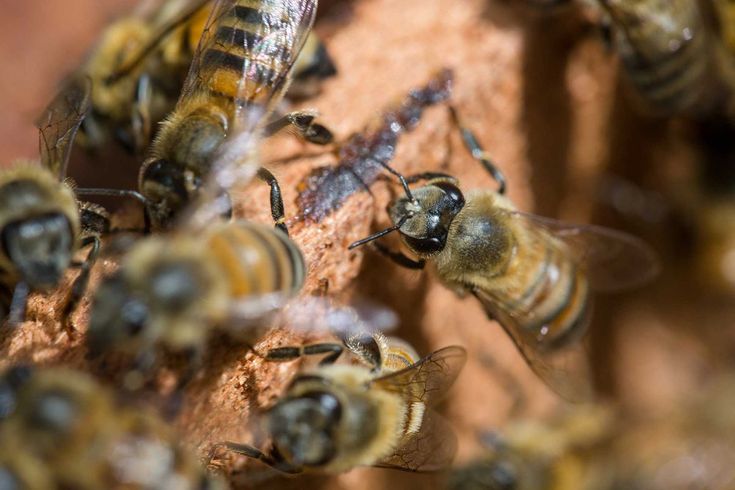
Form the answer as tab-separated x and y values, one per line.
257	259
546	292
250	48
398	355
666	53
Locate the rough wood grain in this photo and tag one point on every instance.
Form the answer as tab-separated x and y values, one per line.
539	91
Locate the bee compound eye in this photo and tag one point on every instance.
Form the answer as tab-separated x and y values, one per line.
427	245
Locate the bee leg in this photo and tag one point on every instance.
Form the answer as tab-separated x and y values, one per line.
277	209
79	286
131	194
399	258
275	461
304	125
17	312
478	153
141	117
290	353
195	360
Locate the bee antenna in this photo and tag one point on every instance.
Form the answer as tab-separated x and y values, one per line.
379	234
401	178
477	152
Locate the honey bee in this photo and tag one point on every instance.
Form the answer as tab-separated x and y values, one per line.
540	455
240	71
73	432
534	275
172	291
41	224
672	59
140	65
336	417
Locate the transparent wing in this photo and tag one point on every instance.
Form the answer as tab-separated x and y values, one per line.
247	53
612	260
319	314
432	448
429	379
59	123
565	368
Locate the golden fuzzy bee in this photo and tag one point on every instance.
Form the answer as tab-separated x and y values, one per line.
535	276
41	224
140	64
672	58
172	291
241	69
72	433
376	413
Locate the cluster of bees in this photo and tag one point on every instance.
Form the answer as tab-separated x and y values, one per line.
191	88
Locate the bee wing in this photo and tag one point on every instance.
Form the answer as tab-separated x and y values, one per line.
427	380
612	260
311	313
59	123
431	448
259	57
564	369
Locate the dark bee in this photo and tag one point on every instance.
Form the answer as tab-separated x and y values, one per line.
41	225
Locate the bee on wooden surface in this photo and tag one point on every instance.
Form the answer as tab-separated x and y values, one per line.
41	223
75	434
534	275
376	413
141	62
671	57
540	455
171	291
239	73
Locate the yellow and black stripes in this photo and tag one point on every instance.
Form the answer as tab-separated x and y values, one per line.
549	301
249	50
257	259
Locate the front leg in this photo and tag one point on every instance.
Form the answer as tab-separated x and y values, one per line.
289	353
277	209
274	460
303	122
400	258
79	286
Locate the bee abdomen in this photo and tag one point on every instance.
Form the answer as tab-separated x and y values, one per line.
673	82
258	259
240	56
556	304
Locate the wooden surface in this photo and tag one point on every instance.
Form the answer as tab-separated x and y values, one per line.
544	98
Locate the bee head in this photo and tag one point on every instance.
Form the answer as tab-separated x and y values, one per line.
118	316
304	427
166	189
425	219
39	244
